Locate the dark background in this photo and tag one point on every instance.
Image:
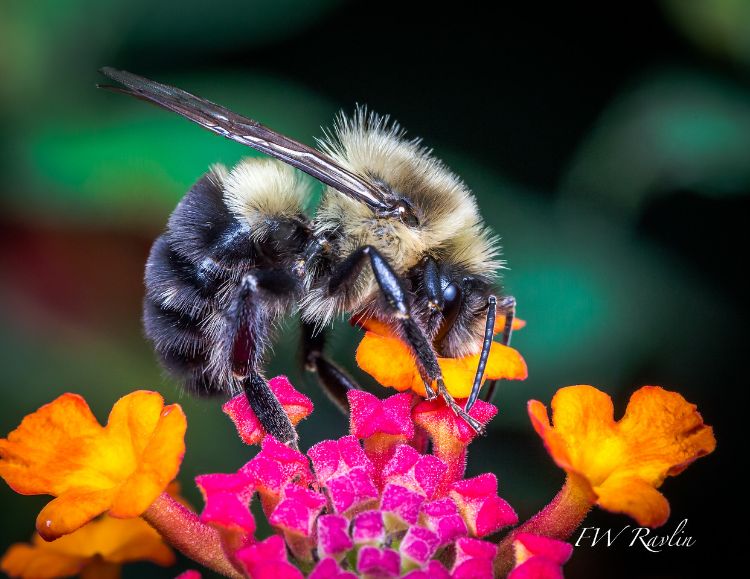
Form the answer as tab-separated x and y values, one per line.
608	145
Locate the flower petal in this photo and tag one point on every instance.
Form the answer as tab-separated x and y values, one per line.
333	536
71	511
29	562
483	511
329	569
61	450
538	557
390	361
109	540
268	560
227	498
380	563
369	415
620	464
635	497
474	559
296	405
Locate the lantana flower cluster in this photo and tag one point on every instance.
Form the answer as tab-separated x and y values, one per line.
388	500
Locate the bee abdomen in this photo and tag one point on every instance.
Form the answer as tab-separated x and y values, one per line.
175	282
181	298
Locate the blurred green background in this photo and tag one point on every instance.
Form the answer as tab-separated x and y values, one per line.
608	146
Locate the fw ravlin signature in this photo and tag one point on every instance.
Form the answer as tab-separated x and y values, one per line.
638	536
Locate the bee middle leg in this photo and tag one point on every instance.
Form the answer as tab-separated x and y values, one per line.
395	295
334	381
250	322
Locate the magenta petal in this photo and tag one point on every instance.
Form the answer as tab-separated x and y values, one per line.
401	464
474	559
333	536
374	562
369	415
537	568
227	511
419	545
336	457
419	473
227	497
537	546
329	569
273	467
433	570
400	506
444	426
442	517
352	492
189	574
297	510
467	549
234	483
295	404
267	560
483	511
368	528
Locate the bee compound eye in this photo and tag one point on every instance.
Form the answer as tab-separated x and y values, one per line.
452	298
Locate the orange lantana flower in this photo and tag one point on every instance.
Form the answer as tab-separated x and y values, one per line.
63	451
619	465
389	360
95	551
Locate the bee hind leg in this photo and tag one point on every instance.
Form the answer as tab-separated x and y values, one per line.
250	324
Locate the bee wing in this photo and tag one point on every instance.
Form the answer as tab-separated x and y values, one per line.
249	132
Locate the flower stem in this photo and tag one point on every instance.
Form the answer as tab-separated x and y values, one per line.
557	520
182	529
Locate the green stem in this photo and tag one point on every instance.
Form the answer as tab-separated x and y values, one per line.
182	529
557	520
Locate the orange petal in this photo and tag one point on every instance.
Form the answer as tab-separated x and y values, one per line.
504	363
107	541
635	497
623	462
667	430
518	323
388	360
391	363
22	560
61	450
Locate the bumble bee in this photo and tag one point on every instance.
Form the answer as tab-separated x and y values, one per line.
397	237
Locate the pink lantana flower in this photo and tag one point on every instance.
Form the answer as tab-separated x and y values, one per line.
370	504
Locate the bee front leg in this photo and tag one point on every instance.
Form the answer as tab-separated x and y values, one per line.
394	293
395	296
334	381
250	322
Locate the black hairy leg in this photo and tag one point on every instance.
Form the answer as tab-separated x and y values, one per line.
334	381
249	324
395	296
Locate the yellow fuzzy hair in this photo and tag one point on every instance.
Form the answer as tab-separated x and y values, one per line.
450	226
256	189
